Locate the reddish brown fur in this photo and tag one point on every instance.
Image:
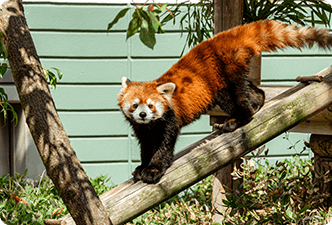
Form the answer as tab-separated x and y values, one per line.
212	73
201	73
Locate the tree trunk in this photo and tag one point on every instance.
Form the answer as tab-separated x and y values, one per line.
52	142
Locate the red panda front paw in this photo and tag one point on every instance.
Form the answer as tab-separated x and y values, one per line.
151	174
218	126
229	126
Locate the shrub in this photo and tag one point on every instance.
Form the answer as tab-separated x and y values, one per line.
284	193
25	202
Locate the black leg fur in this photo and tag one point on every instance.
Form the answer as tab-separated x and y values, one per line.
243	102
157	140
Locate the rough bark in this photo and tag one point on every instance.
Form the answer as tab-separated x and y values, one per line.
216	151
52	142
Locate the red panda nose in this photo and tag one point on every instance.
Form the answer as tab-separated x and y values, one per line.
142	114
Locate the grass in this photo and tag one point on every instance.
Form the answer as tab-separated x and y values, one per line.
282	193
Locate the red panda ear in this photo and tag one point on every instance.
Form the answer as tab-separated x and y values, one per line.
167	90
124	83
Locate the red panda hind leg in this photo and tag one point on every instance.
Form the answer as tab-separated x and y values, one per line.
246	101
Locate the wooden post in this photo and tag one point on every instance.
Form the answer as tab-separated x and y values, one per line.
321	145
227	14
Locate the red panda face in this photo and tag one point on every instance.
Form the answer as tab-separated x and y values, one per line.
144	102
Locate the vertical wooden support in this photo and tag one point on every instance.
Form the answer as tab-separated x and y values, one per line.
227	14
321	145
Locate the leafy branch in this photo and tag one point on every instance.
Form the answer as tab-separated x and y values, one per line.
197	19
288	11
148	19
51	76
5	106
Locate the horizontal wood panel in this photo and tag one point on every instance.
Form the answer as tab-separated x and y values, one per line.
101	149
112	123
168	44
73	44
80	17
80	44
79	97
294	51
118	172
285	68
94	123
201	125
89	70
183	141
150	69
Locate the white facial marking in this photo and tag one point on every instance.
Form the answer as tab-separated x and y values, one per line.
160	109
125	108
143	114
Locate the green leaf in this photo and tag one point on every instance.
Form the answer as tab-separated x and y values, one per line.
51	77
289	213
6	107
58	72
167	18
162	7
154	21
14	113
3	95
3	69
304	209
147	35
133	26
144	14
3	51
121	14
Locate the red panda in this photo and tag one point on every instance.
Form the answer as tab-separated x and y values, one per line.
215	72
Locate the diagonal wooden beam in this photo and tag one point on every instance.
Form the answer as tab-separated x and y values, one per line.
215	151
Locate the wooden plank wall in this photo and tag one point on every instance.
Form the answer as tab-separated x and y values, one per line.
73	38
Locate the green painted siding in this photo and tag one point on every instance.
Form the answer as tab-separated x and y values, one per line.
73	38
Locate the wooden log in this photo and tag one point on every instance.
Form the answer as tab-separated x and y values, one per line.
317	124
217	150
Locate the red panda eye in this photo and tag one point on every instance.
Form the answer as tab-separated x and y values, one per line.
135	106
150	106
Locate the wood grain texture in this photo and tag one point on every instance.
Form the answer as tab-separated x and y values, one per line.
218	150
